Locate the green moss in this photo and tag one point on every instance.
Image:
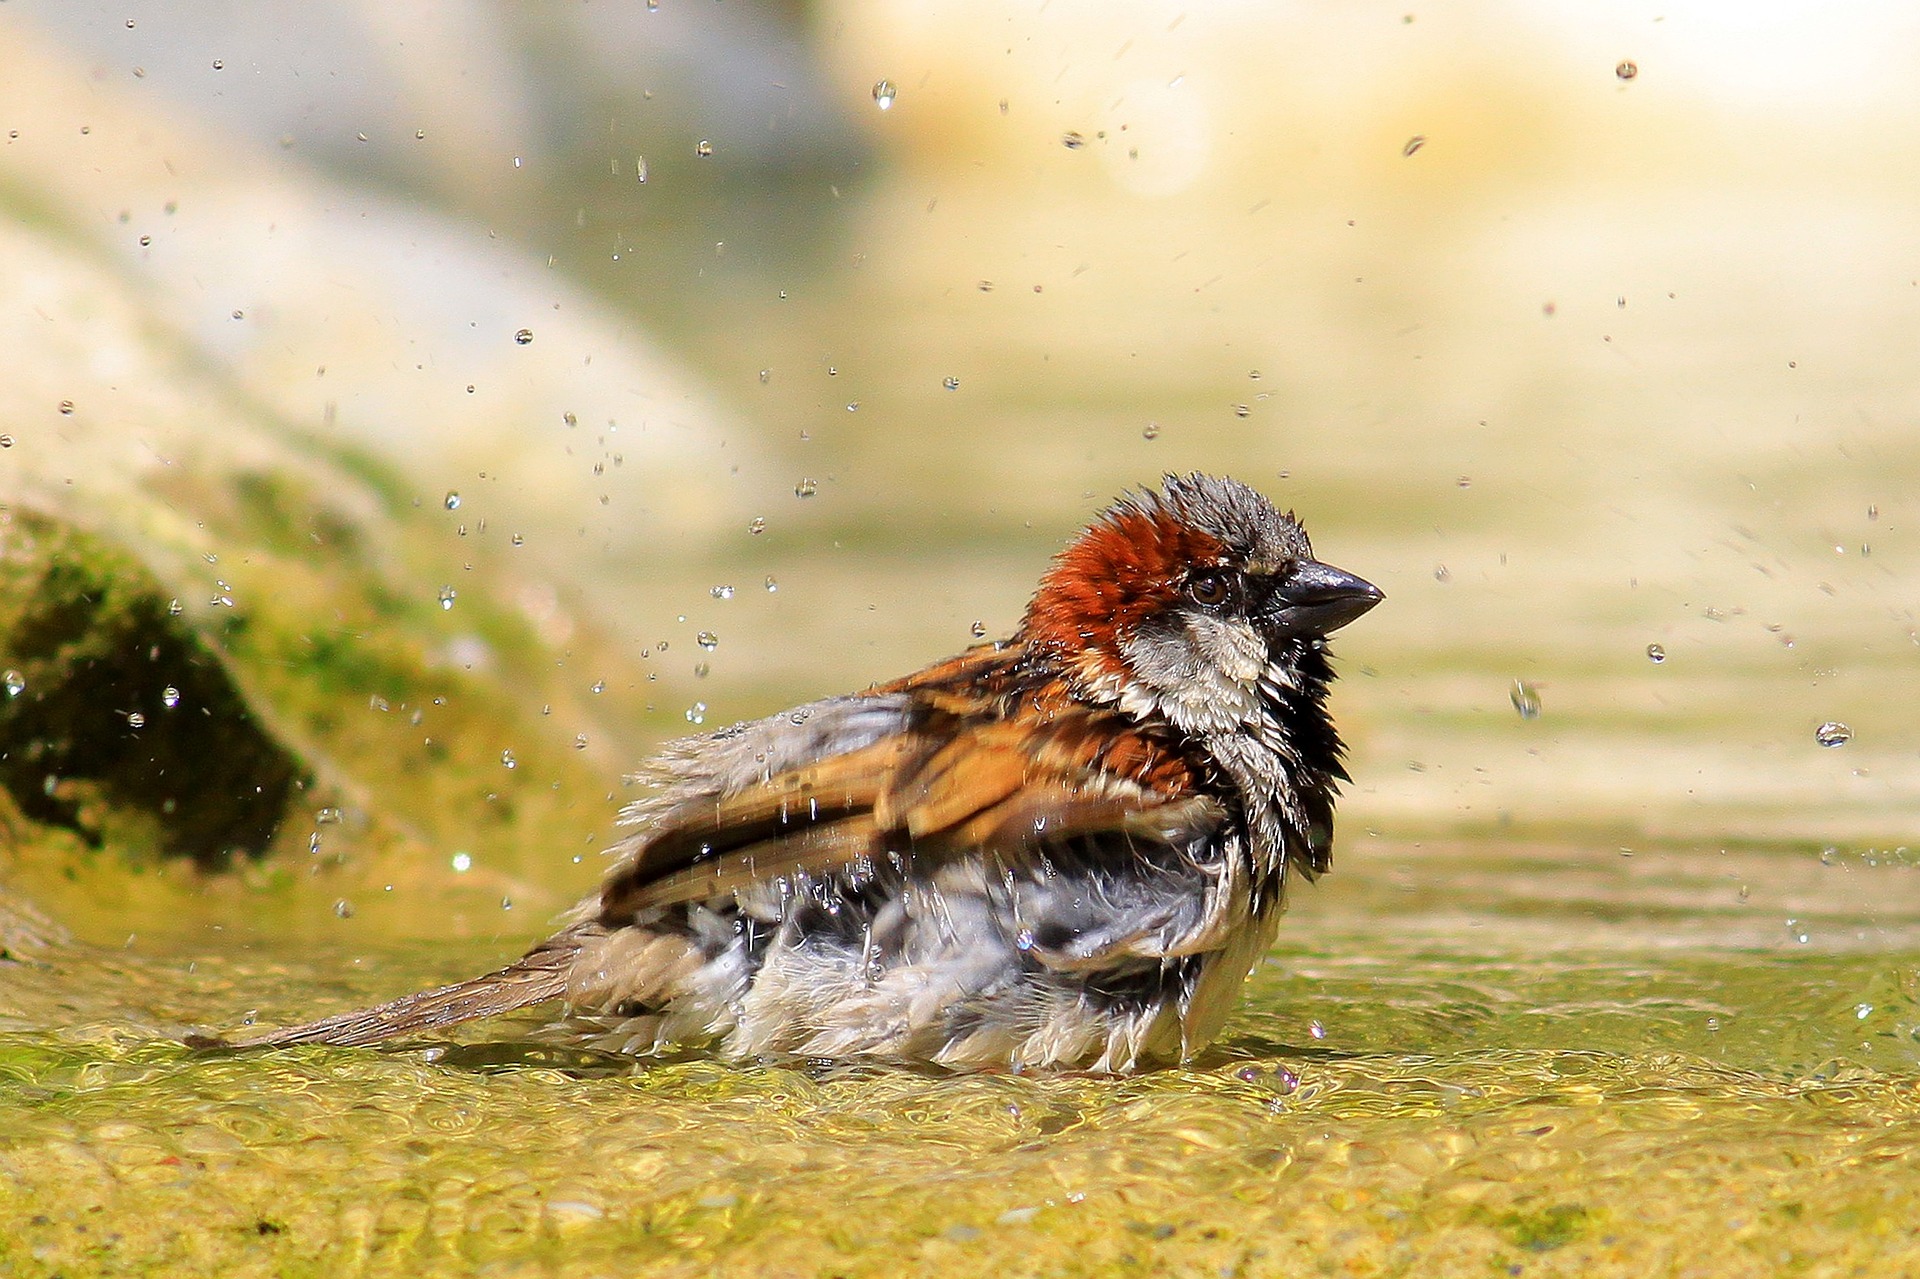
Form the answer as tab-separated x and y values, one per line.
125	723
1545	1229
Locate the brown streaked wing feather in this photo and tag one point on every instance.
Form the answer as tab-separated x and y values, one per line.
959	782
1049	815
820	848
829	789
971	771
1008	785
967	675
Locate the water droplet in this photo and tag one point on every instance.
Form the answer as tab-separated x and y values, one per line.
806	488
951	383
1833	733
772	586
697	713
721	592
579	741
1440	573
329	816
1465	482
1024	939
1862	1011
462	863
1626	70
757	525
599	686
1656	654
1151	431
707	640
1526	699
523	336
519	540
66	408
1797	931
1242	410
6	441
979	630
447	596
701	670
136	720
169	697
1414	143
853	406
883	93
1315	1029
640	167
1072	141
343	908
766	376
1873	512
15	682
452	500
507	760
704	149
175	607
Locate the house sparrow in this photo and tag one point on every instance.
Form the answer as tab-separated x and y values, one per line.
1064	849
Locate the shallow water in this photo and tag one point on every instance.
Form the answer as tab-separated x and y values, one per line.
1468	1057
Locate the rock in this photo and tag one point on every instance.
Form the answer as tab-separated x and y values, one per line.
118	718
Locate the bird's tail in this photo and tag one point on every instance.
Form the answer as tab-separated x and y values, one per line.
536	977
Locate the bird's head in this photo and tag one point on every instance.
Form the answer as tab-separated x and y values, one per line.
1187	600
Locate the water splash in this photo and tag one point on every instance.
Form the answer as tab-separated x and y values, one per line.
1526	699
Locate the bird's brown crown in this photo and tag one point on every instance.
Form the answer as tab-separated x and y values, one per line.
1129	565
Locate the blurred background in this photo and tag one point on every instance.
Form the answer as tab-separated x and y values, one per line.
778	344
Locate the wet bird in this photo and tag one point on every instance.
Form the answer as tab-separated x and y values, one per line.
1064	849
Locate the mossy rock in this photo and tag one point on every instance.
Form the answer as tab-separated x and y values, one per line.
118	721
244	704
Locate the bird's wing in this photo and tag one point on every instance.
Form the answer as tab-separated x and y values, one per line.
947	782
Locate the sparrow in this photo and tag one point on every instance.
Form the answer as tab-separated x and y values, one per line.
1064	849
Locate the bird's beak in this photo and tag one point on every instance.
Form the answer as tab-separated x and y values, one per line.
1316	600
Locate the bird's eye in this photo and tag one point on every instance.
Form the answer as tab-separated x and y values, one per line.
1210	589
